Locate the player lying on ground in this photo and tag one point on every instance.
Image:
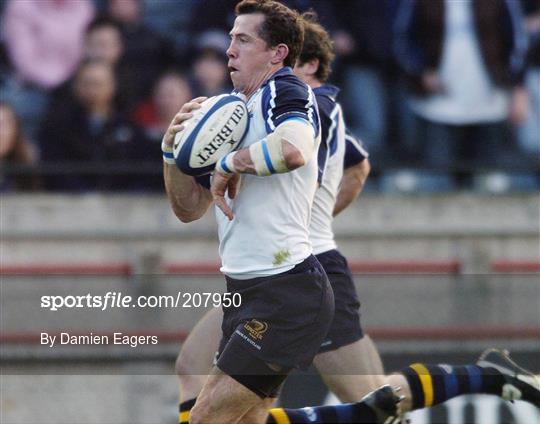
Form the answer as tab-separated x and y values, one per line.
347	360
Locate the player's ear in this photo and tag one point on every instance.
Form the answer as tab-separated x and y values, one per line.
281	51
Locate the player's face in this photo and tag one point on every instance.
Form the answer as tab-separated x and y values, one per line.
250	58
95	85
104	43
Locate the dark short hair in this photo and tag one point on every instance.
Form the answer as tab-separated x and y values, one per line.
281	25
103	21
317	45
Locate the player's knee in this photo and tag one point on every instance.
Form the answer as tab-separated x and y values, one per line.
189	378
188	363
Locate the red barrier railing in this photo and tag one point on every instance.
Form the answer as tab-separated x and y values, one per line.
504	266
211	268
120	269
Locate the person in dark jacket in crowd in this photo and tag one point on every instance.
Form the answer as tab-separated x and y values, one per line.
88	129
465	63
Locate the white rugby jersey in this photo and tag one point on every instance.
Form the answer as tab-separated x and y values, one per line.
338	150
270	230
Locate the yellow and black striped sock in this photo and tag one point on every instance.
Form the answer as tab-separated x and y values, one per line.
346	413
434	384
184	410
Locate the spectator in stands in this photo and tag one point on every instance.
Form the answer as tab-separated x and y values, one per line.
222	15
44	41
220	19
529	132
104	41
172	22
14	149
145	51
209	70
465	63
170	92
87	128
371	96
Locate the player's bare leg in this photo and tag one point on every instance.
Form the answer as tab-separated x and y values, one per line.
258	414
224	400
352	371
195	359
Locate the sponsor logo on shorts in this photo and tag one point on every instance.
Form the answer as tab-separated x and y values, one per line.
256	329
247	339
327	342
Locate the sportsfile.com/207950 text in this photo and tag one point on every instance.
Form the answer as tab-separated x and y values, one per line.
119	300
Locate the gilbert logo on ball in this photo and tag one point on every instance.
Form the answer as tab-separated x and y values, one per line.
215	129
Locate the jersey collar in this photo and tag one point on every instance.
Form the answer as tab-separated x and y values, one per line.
286	70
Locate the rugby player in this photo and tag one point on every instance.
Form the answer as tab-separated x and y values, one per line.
263	220
348	361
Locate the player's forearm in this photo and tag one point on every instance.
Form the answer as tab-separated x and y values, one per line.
292	159
352	183
289	147
189	201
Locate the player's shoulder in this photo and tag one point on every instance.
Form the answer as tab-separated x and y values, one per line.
286	85
326	96
286	96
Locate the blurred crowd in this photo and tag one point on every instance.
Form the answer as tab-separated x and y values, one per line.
445	94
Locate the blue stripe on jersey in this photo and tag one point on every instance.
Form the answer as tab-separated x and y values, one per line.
267	159
296	118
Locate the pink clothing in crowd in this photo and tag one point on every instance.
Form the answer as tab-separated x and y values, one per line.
44	38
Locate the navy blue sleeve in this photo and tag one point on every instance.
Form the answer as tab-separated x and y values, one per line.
354	151
285	98
328	133
204	181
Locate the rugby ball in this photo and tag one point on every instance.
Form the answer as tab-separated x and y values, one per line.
215	129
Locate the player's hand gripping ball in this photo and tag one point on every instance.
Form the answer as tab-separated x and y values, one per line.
215	129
